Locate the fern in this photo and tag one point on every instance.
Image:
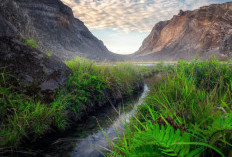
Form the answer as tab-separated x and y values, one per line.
157	140
164	140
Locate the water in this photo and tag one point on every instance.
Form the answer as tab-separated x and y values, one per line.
94	144
86	139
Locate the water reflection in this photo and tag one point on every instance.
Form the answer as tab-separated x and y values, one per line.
92	145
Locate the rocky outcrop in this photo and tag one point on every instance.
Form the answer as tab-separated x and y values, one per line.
203	32
226	46
38	74
53	26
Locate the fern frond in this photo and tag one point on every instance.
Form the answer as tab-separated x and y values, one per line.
162	140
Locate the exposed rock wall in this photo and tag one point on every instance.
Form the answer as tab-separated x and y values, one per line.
203	32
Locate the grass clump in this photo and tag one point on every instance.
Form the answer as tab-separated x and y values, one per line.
32	43
188	108
122	76
21	116
90	84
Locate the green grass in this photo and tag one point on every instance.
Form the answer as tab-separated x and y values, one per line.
23	117
48	53
32	43
148	72
187	113
90	84
87	73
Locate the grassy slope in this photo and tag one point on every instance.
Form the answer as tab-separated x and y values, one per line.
23	117
187	113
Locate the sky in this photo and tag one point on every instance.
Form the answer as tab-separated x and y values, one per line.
123	24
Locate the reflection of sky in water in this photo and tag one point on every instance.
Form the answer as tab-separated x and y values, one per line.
91	145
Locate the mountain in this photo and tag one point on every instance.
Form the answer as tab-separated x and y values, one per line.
52	25
203	33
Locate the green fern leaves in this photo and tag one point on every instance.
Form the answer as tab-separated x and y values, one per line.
162	139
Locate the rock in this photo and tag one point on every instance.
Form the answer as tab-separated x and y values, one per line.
181	13
198	33
226	46
38	73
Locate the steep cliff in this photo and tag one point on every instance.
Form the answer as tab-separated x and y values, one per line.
53	26
203	32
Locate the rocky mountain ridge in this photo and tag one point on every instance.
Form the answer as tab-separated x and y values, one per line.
200	33
53	26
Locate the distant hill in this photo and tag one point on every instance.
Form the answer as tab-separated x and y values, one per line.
53	26
203	32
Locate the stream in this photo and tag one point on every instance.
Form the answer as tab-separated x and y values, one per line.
87	138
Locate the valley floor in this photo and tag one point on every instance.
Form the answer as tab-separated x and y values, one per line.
186	113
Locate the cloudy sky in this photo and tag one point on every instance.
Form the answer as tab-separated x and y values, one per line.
123	24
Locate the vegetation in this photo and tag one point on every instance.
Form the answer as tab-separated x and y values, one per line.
148	72
48	53
32	43
22	117
187	113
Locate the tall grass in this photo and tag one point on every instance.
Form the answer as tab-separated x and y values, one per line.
187	113
23	117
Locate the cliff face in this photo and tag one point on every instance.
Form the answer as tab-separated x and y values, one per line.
53	26
203	32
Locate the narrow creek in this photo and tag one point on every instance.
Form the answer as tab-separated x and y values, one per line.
87	139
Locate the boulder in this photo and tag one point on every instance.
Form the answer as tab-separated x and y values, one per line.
38	73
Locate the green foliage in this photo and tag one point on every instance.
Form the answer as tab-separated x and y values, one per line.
163	67
32	43
195	98
86	73
23	117
48	53
143	69
153	140
208	74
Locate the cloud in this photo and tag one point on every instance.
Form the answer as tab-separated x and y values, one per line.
129	15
